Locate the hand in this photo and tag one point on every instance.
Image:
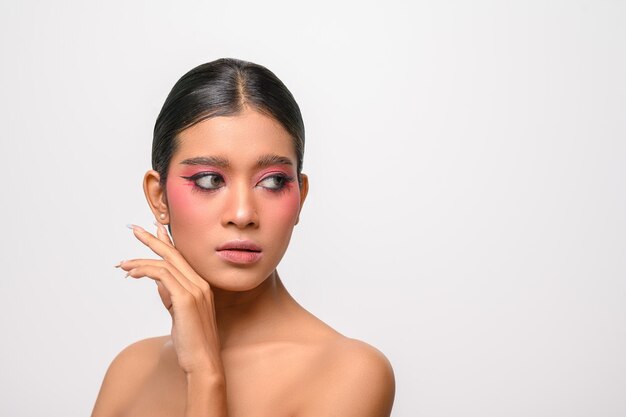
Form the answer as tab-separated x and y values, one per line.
187	297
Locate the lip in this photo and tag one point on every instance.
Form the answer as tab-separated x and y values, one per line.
246	245
240	252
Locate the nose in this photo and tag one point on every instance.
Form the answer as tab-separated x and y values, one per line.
240	210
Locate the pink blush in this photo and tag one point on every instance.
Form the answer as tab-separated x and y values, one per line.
177	192
183	201
288	204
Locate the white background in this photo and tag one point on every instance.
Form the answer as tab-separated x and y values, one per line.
466	215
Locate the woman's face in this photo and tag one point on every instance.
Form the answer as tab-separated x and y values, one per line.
233	198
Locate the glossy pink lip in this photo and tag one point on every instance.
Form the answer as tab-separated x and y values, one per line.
239	252
240	245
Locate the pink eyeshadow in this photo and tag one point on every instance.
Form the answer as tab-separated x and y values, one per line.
184	200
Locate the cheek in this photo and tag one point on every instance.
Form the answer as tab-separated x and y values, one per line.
285	209
188	211
184	205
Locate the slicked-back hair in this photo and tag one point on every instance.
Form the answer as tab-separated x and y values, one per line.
223	87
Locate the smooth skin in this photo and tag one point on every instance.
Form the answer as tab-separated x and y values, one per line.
240	345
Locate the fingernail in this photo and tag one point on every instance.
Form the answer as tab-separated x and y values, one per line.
134	227
119	264
127	274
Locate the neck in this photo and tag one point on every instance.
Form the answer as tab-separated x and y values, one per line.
245	317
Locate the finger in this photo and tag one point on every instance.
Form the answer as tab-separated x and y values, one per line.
173	295
202	296
158	263
159	247
162	234
165	278
170	254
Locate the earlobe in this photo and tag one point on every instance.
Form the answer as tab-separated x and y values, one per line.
304	190
156	196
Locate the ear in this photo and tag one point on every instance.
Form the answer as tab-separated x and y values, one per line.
304	190
156	196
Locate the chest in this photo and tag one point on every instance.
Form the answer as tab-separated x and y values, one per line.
259	383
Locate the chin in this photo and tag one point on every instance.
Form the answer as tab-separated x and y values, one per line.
237	281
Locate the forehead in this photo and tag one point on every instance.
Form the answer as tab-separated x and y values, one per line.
241	139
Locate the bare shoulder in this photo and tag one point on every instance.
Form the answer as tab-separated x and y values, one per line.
353	378
356	353
126	374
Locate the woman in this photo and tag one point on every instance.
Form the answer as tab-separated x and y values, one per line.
226	179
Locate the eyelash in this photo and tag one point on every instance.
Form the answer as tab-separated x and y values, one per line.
286	180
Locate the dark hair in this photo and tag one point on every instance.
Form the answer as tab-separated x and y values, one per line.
223	88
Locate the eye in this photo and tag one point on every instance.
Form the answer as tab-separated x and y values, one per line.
275	182
207	181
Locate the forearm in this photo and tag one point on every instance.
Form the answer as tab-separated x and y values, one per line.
206	396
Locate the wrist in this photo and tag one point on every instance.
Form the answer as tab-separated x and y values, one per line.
207	378
206	394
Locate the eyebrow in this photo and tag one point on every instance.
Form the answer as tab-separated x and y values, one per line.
269	160
214	161
264	161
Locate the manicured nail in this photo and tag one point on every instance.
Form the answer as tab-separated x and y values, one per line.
127	274
119	264
135	227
